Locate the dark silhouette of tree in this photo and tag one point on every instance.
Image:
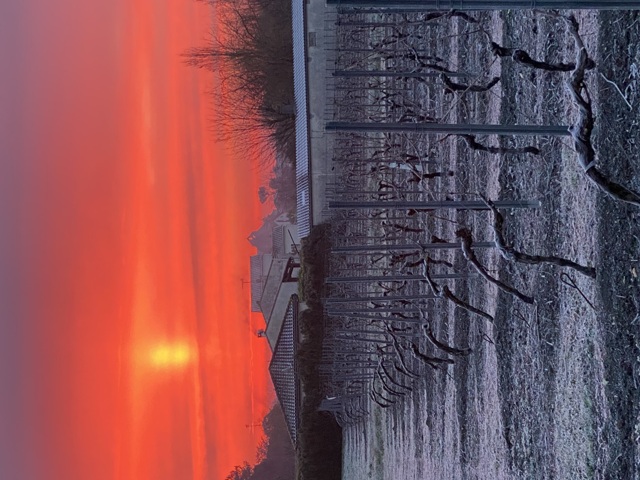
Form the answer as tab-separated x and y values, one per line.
240	472
263	194
319	447
283	184
251	57
275	453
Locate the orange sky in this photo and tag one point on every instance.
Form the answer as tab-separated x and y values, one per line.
129	229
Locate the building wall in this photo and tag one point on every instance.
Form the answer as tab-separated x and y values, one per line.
320	22
303	187
259	269
286	241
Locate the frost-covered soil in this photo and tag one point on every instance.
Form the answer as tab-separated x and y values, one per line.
551	390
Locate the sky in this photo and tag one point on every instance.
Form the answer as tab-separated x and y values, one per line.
127	349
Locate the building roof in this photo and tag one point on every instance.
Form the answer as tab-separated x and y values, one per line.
283	369
276	296
303	185
279	237
272	286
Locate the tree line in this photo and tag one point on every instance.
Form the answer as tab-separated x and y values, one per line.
251	54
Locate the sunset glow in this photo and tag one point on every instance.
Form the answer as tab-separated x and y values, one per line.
171	356
130	340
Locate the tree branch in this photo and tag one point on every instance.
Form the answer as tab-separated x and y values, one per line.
583	128
444	292
474	145
433	362
443	346
466	240
512	255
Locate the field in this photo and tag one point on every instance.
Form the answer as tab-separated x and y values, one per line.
551	389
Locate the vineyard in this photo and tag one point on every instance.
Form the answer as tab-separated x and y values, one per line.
481	291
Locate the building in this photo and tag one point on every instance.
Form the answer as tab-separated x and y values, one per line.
285	244
283	368
286	241
281	283
274	288
313	47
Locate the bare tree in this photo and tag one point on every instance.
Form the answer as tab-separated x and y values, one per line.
251	57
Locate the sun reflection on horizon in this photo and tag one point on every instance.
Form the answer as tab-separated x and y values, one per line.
171	355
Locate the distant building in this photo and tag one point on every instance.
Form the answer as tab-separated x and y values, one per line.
285	244
262	238
286	240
